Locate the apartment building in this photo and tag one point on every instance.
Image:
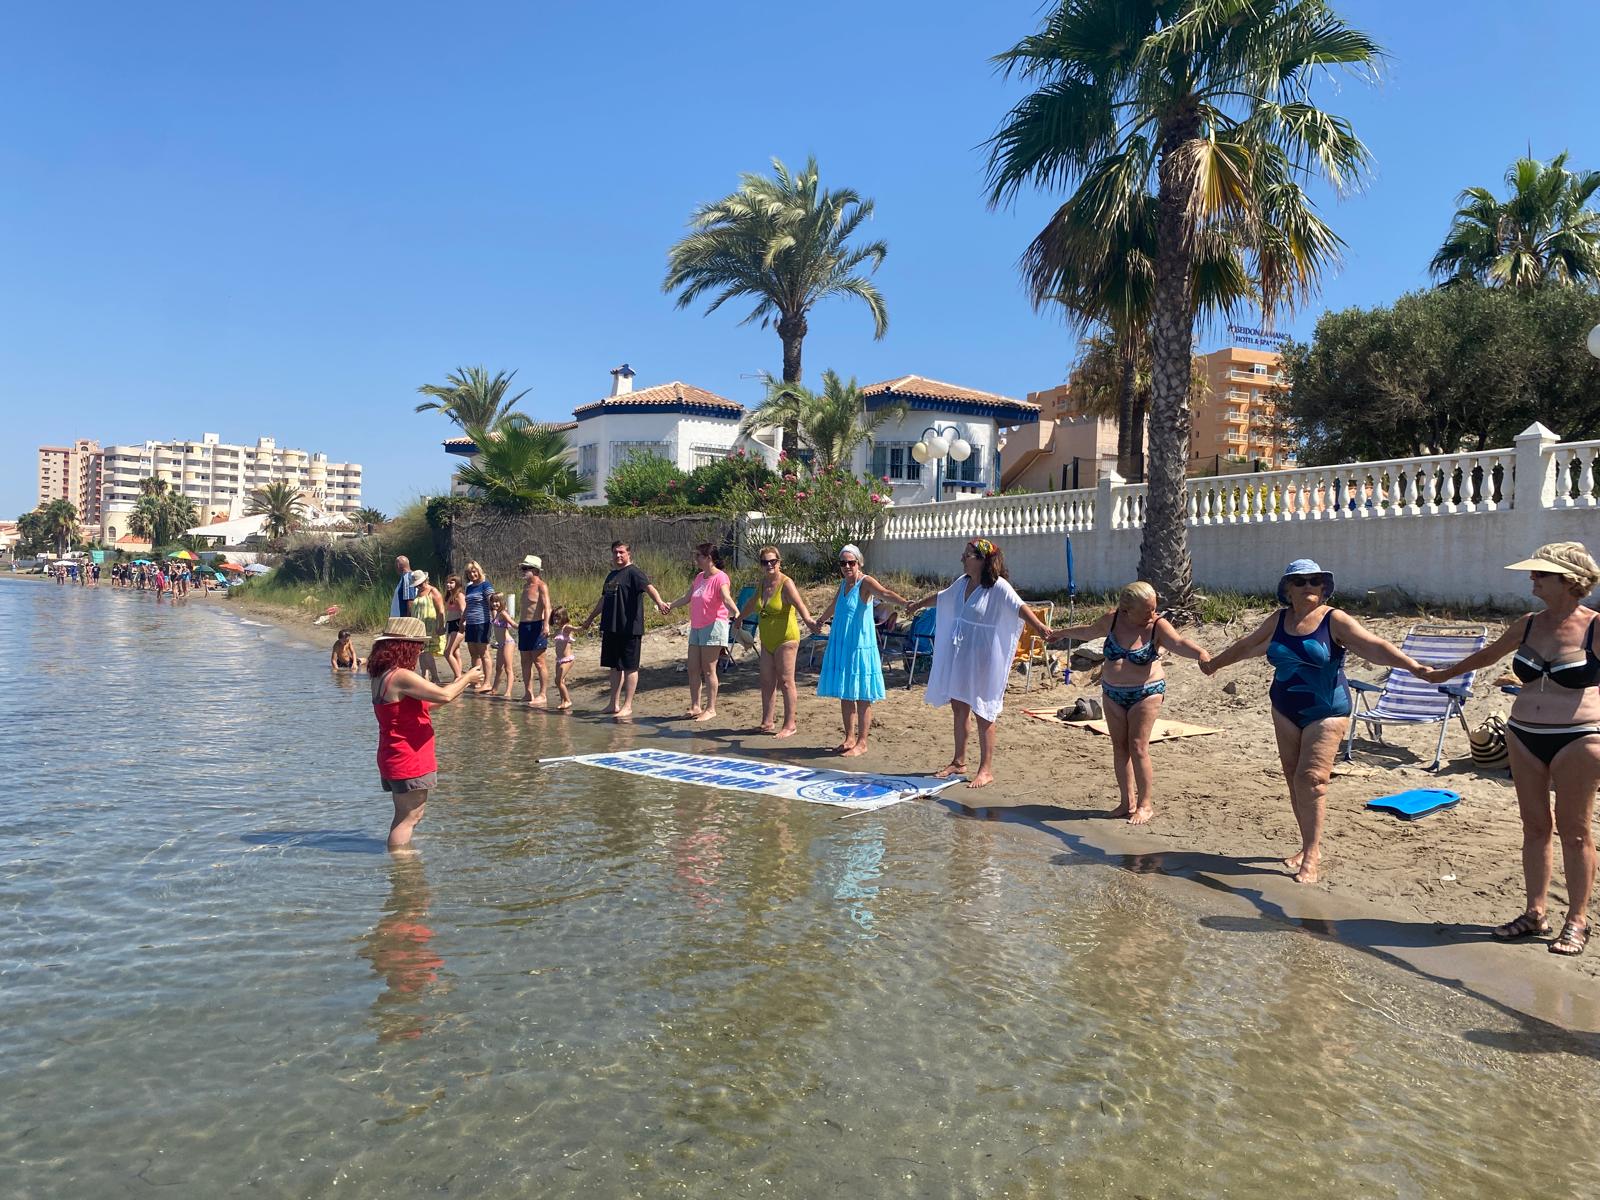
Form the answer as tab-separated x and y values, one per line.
219	476
73	473
1242	422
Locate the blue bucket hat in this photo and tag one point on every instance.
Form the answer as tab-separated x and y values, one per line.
1303	566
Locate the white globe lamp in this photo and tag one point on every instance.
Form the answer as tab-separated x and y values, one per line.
920	452
937	446
960	449
1594	341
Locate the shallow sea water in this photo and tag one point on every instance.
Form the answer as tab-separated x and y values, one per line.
216	981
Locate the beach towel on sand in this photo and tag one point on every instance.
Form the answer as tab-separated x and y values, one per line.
1162	732
1418	802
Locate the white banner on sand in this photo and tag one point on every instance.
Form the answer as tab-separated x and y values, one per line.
844	789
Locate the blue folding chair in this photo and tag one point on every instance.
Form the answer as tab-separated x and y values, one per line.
913	643
1406	700
751	622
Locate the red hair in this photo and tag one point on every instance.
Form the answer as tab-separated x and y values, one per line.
388	655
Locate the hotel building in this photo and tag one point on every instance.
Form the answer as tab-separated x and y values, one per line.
219	477
73	473
1242	421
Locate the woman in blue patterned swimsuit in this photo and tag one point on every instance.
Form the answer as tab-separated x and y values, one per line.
1133	684
1305	641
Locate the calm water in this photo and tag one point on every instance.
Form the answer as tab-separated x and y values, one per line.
216	981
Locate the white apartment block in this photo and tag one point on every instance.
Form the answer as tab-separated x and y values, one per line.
219	477
73	473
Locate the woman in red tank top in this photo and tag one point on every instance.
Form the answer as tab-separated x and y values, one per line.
400	699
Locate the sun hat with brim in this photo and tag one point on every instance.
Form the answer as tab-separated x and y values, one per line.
418	578
402	629
1302	566
534	561
1542	564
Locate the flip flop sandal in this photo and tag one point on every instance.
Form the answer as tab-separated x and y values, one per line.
1573	939
1527	925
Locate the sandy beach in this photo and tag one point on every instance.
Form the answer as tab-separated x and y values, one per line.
1220	798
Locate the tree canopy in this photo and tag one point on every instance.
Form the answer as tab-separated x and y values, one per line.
1543	233
474	399
1442	370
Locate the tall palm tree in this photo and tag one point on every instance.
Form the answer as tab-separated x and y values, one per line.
830	423
60	524
1542	233
366	517
282	505
472	398
782	241
521	466
1207	105
1104	277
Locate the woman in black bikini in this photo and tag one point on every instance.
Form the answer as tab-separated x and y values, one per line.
1555	734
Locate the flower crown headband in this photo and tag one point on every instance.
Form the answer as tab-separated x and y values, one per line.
984	547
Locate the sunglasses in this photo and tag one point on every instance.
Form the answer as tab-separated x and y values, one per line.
1543	574
847	562
769	562
1305	581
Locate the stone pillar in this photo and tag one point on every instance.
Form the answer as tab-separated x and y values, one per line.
1533	489
1105	501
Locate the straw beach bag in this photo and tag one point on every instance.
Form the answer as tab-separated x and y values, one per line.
1488	742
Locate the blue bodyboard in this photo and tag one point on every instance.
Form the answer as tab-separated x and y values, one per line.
1418	802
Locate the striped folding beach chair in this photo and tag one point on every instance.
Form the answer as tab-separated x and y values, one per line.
1406	700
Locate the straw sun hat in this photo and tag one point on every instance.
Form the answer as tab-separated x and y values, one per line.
534	561
402	629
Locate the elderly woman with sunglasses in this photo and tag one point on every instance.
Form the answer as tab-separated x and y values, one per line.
781	610
1555	734
852	671
979	619
1305	641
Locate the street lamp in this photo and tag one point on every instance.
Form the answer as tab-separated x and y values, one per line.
938	442
1594	341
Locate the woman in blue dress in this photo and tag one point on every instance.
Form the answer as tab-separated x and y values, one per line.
852	671
1305	641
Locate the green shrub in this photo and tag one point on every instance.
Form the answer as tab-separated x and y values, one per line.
646	480
823	512
721	484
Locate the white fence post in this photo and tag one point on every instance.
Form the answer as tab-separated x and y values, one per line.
1533	488
1106	516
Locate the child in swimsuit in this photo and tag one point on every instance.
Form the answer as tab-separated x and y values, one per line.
561	643
502	636
343	657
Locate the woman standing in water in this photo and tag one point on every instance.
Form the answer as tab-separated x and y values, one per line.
1134	685
407	767
1555	734
1305	641
852	670
778	604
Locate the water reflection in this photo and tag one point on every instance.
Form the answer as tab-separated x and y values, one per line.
401	952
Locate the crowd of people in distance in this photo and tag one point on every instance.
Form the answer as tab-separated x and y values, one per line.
84	574
1555	720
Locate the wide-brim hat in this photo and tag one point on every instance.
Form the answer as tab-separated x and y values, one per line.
1302	566
418	578
402	629
534	561
1542	564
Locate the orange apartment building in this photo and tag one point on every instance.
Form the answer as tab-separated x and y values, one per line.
73	473
1238	425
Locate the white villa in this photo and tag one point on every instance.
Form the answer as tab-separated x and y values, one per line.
690	426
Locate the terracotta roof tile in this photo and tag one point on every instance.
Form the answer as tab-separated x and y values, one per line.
456	445
675	392
934	389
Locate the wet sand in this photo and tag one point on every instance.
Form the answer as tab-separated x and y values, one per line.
1420	894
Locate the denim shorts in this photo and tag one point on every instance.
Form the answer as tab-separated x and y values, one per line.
714	634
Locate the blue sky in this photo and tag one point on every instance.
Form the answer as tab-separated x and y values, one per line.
280	219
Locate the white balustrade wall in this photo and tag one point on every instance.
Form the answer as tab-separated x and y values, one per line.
1441	528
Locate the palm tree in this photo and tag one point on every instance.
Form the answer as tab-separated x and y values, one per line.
783	242
831	424
1205	103
281	504
522	466
473	399
59	524
1104	277
365	518
1540	234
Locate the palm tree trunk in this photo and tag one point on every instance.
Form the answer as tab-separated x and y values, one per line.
1127	431
1164	552
792	330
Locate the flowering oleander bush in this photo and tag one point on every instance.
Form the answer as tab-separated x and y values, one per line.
822	512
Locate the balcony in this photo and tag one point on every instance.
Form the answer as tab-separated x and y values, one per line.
1235	416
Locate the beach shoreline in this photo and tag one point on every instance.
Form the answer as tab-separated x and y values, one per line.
1419	895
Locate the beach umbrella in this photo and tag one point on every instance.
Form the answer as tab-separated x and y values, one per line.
230	567
143	562
186	555
256	569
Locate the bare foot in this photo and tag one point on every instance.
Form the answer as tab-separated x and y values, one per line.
764	727
786	731
707	715
1309	870
564	706
1141	815
540	701
1292	863
955	768
692	713
624	714
856	751
842	748
608	711
983	778
1122	810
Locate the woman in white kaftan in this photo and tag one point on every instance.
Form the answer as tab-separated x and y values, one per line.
978	620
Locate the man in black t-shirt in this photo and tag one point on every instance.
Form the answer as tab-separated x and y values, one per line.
621	612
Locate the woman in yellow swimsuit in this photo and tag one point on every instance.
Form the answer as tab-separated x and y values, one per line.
778	601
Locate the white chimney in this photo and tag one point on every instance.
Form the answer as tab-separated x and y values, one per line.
622	380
